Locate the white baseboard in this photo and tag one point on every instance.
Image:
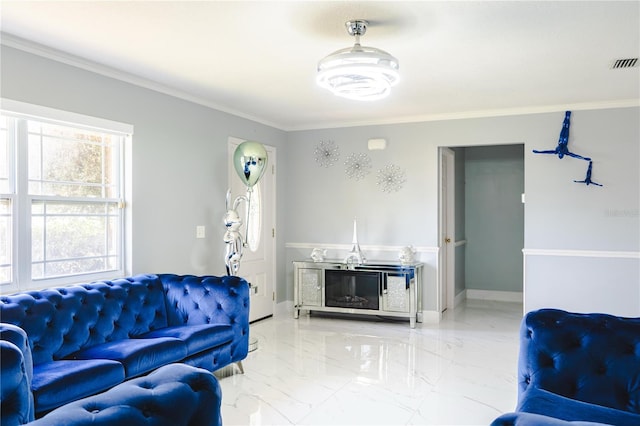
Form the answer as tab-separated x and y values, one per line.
460	297
431	317
498	296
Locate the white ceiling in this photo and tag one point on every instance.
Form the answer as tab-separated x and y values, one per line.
258	59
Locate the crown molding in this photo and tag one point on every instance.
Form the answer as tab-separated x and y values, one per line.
38	49
485	113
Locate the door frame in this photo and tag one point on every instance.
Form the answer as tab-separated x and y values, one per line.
446	229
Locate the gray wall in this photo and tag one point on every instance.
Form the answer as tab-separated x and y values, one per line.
180	177
563	220
494	217
179	157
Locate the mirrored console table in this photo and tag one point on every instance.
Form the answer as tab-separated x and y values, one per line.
384	289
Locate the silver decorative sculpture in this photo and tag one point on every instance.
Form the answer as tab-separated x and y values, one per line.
318	254
250	162
355	256
407	255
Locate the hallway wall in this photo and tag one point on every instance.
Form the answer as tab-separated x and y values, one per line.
494	217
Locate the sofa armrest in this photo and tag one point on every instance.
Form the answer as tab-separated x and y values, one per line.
173	395
17	336
210	300
16	400
16	368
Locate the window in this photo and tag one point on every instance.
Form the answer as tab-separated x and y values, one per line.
62	209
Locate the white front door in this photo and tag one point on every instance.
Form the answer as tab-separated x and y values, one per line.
258	260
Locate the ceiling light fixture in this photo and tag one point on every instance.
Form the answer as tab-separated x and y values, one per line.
359	72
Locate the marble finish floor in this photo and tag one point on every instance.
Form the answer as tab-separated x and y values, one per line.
321	370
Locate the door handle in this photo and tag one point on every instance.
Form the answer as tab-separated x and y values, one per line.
447	240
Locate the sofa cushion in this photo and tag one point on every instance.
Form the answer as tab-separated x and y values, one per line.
196	337
540	401
58	382
138	356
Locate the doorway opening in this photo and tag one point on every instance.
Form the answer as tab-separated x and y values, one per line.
481	223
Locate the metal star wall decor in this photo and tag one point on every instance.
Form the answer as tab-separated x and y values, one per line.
391	178
326	153
357	166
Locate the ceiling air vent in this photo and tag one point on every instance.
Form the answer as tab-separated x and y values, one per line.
624	63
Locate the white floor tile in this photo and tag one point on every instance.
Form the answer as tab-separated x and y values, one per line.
323	370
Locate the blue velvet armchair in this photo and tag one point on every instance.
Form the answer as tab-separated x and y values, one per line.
576	368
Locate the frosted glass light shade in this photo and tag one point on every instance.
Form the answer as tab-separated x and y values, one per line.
359	73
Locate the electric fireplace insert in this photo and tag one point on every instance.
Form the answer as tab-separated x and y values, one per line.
351	289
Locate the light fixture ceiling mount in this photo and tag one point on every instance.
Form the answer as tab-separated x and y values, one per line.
361	73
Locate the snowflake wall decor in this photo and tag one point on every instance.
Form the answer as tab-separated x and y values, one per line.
357	166
326	153
391	178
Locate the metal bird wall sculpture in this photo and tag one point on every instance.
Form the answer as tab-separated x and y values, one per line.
563	142
587	180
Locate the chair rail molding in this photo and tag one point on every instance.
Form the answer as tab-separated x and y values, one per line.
583	253
419	249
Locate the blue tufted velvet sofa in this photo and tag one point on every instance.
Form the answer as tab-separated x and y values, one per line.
84	339
577	369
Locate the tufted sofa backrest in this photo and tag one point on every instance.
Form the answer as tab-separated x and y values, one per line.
60	321
593	358
210	300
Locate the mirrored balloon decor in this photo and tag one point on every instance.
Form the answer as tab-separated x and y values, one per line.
250	162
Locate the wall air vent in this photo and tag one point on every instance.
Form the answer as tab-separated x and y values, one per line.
624	63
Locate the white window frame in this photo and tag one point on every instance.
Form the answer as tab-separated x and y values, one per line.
22	200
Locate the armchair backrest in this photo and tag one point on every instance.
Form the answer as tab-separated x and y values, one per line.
593	358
